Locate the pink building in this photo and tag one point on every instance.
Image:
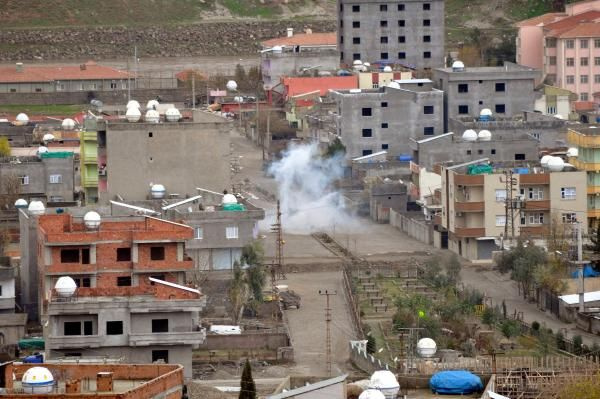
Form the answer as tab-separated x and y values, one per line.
565	47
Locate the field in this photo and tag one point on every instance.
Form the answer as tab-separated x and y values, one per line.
48	110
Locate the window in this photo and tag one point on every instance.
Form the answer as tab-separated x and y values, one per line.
356	56
384	104
500	220
367	152
426	22
163	355
367	132
570	43
500	87
383	7
384	125
356	24
428	131
493	151
69	256
198	233
124	281
384	56
384	146
123	254
157	253
583	97
12	90
383	39
82	281
468	152
500	195
367	112
596	78
356	40
401	55
463	109
114	328
567	193
400	7
383	24
597	43
85	256
158	277
355	8
231	232
569	217
426	6
583	43
570	62
113	85
583	61
24	180
583	78
55	179
519	157
401	39
552	60
535	193
72	328
535	218
570	79
427	38
150	134
463	88
401	23
427	54
428	109
500	108
160	325
551	42
0	290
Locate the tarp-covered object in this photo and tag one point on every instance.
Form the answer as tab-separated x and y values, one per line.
31	343
588	271
458	382
480	169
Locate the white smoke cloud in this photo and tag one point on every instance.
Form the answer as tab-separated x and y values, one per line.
309	201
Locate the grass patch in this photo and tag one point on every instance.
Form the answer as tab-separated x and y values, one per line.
35	109
251	8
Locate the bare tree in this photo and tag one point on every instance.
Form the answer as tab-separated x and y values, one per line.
10	186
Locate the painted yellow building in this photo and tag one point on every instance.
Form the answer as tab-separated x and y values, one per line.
88	156
374	80
586	139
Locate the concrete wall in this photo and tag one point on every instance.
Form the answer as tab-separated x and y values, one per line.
371	30
271	341
277	65
28	273
419	230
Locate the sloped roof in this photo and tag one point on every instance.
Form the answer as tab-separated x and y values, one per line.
566	24
542	19
87	71
304	39
301	85
584	29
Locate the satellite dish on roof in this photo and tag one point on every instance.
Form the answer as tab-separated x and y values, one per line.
65	286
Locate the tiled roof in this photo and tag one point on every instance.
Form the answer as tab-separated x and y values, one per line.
302	85
304	39
87	71
542	19
557	28
187	74
584	29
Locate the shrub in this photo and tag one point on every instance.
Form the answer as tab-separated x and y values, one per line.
535	327
577	344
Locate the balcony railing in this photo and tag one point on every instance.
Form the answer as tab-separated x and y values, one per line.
534	178
534	231
469	231
537	205
73	341
469	206
469	180
169	338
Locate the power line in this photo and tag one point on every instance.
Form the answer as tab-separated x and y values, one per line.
327	294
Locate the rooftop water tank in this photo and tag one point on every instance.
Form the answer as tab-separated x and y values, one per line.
48	137
229	199
469	135
544	160
357	62
92	220
23	118
238	99
41	150
65	286
371	394
393	85
387	68
173	115
573	152
485	114
37	380
277	49
158	191
68	124
152	116
231	85
556	164
385	381
367	64
152	104
21	203
133	104
484	135
458	66
426	347
36	208
133	114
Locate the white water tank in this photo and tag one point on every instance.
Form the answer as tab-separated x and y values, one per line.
556	164
385	381
387	68
37	380
152	116
371	394
573	152
173	115
36	208
485	112
68	124
458	66
229	199
469	135
426	347
23	118
238	99
544	160
158	191
393	85
21	203
559	116
133	114
152	104
41	150
357	62
277	49
133	104
48	137
92	220
484	135
231	85
65	286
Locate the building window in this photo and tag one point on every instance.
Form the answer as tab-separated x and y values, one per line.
383	7
597	43
384	56
567	193
552	60
570	43
570	62
583	78
85	256
384	146
55	179
519	157
198	233
114	328
356	40
160	325
384	104
426	6
428	131
367	132
468	152
493	151
38	89
401	39
113	85
124	281
463	109
500	195
383	39
535	193
426	22
69	256
356	56
163	355
463	88
367	152
384	125
72	328
551	42
355	8
583	61
383	24
400	7
123	254
427	38
157	253
375	85
535	218
401	23
367	112
596	78
160	277
13	90
60	87
500	87
401	55
427	54
231	232
569	217
570	79
583	97
82	281
24	180
583	43
428	109
356	24
500	108
500	220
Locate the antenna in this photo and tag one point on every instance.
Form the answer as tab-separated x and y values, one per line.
327	294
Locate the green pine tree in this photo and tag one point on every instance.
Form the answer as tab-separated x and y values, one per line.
247	386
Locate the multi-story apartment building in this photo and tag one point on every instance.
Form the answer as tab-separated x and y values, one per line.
384	119
131	299
566	47
474	206
12	325
505	90
88	158
406	32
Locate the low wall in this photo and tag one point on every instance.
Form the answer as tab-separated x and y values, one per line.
415	229
272	341
589	323
364	361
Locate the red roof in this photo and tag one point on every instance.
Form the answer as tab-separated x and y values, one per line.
87	71
542	19
585	29
556	29
187	74
304	39
303	85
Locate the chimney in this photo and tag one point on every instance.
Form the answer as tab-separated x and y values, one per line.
19	67
83	67
104	381
290	32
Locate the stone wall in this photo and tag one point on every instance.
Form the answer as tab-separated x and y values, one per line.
414	228
203	39
272	341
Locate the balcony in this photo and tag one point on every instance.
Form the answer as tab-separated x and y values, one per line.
534	231
534	179
593	190
469	180
471	232
593	213
539	205
170	338
89	136
73	341
583	165
469	206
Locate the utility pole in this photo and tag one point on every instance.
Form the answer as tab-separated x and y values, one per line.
510	204
327	294
193	90
135	60
277	272
580	267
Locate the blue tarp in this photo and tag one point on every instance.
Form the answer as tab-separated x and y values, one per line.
588	271
456	382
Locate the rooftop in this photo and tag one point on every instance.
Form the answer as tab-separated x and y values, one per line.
304	39
302	85
542	20
584	29
557	28
87	71
507	67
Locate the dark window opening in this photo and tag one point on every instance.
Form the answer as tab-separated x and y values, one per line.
85	256
114	328
500	108
355	8
82	282
426	6
123	254
493	151
427	54
356	56
72	328
158	277
367	112
401	22
383	39
87	327
428	109
426	22
500	87
384	104
149	134
356	40
480	152
463	88
384	56
383	24
427	38
367	152
384	125
468	152
402	55
69	256
428	130
384	146
367	133
519	157
160	325
160	355
157	253
124	281
401	39
383	7
400	7
356	24
463	109
73	354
